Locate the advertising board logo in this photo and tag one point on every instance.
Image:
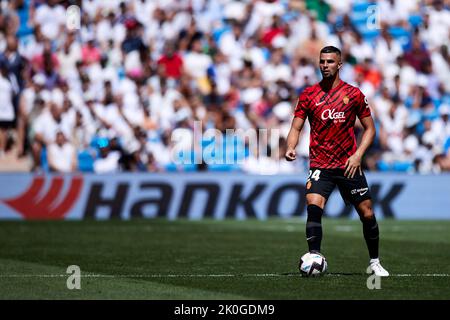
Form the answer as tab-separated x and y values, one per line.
39	202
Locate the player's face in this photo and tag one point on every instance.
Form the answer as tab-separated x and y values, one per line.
329	64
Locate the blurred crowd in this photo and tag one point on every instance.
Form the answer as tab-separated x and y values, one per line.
124	91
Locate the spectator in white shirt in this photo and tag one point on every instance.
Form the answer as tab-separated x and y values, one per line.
438	19
196	62
361	50
382	102
44	130
441	68
392	126
231	43
68	55
387	50
51	17
277	70
6	106
108	161
425	153
61	155
392	13
441	127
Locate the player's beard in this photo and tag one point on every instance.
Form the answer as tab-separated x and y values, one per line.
328	74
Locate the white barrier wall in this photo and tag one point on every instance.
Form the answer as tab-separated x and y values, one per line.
199	195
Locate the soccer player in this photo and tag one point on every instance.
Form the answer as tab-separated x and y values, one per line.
331	107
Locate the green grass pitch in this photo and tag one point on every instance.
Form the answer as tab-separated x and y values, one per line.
160	259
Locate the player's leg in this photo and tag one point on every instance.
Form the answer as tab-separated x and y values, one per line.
371	235
315	204
318	188
356	191
370	227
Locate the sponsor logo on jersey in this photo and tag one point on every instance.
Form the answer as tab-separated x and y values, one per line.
333	115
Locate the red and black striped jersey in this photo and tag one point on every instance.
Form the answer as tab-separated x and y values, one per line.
332	115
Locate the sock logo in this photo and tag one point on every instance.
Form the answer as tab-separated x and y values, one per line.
39	202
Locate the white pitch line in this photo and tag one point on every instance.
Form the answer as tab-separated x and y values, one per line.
422	275
200	275
144	275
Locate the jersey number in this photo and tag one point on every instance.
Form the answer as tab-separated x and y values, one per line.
314	175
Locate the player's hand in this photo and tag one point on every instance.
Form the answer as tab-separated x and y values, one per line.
352	165
290	154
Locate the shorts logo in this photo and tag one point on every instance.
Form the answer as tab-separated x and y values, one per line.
331	114
361	191
308	185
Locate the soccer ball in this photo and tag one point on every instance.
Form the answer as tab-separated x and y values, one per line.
312	264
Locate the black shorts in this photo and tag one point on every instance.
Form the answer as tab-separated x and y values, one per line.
353	190
7	124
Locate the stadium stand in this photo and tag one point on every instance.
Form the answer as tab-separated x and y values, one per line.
127	88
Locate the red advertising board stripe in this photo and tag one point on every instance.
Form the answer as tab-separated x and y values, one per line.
30	207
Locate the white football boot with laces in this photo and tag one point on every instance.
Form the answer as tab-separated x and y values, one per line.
377	268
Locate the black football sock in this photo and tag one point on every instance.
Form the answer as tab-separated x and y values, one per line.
314	228
371	235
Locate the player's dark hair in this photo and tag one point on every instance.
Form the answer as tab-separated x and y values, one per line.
330	49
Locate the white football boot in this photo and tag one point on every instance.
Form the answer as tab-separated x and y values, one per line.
377	268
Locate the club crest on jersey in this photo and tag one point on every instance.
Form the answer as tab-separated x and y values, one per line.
346	100
333	115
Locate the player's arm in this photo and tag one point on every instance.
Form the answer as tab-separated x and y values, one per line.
354	162
292	138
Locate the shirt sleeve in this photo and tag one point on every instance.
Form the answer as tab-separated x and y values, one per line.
301	108
362	108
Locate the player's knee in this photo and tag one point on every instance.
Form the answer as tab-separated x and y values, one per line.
316	200
365	210
366	213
